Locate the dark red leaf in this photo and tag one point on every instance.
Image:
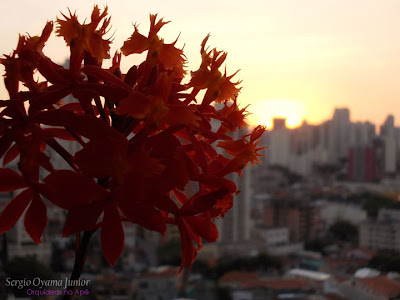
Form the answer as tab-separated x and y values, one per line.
163	144
213	182
192	168
143	214
11	154
193	236
58	117
51	96
5	143
10	181
44	161
112	234
164	203
112	93
188	251
175	174
102	157
181	197
4	103
201	202
36	218
102	74
67	189
59	133
203	227
94	128
201	156
82	218
75	107
131	76
14	209
50	70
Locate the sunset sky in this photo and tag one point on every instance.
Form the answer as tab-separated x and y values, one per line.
298	58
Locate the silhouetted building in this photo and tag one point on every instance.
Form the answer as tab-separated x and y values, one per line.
279	123
384	233
279	144
363	164
235	226
302	219
387	129
339	135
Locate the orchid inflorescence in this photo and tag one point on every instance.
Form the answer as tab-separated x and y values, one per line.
144	137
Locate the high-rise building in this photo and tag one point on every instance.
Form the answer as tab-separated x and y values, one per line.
279	123
279	144
389	154
361	134
302	218
363	164
303	139
390	145
339	135
384	233
387	129
235	227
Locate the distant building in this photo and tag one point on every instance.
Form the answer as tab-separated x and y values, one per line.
388	129
320	281
384	233
302	219
161	283
274	240
279	144
361	134
250	286
112	286
389	154
374	288
302	163
363	164
332	212
236	225
339	135
279	123
373	157
303	138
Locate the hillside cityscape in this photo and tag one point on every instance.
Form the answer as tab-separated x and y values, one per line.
319	219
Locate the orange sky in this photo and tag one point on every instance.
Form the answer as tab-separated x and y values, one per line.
299	59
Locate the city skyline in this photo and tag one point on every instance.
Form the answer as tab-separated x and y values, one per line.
378	126
297	59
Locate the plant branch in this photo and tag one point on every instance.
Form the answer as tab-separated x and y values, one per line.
80	260
100	109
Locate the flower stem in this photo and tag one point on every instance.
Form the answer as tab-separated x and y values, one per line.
80	259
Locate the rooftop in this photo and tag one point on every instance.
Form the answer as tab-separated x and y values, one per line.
238	276
320	276
162	271
250	280
283	284
382	285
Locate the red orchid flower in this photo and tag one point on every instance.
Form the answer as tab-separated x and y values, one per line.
85	37
218	87
143	137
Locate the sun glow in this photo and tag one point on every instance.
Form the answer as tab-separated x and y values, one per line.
263	112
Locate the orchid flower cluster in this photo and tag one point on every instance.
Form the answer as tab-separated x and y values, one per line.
144	136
